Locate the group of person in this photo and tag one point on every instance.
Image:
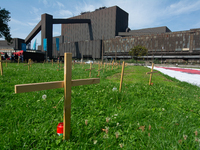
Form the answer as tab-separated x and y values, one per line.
13	58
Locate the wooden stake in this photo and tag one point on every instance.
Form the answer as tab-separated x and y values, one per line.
99	70
67	94
104	67
18	60
112	64
1	65
29	64
90	69
122	75
83	64
151	73
52	62
67	83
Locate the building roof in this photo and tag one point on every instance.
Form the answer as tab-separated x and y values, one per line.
163	29
146	31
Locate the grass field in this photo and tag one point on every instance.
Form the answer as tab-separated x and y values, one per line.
163	116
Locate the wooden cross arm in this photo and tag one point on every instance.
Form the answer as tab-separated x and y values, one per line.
151	72
89	69
99	70
21	88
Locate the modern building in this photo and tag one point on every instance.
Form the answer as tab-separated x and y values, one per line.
105	33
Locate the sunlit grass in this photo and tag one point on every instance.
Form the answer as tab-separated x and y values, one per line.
162	116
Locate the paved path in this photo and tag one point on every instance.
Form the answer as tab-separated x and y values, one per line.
183	74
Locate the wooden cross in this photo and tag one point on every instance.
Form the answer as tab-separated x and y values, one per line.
29	64
117	65
59	65
99	70
1	65
122	75
109	66
151	73
66	84
104	67
83	64
90	69
112	64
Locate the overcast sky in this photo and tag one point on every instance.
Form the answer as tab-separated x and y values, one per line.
177	15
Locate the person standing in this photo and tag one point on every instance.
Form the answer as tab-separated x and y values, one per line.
12	58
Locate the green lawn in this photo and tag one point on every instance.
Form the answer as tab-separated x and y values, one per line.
163	116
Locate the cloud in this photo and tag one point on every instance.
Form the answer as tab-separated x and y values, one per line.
142	14
34	10
60	5
38	18
32	24
65	13
183	7
84	7
45	2
14	21
146	14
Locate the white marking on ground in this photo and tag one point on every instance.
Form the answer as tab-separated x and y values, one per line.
185	77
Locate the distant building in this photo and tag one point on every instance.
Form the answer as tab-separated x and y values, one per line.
86	35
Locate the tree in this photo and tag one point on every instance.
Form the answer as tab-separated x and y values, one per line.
138	51
4	29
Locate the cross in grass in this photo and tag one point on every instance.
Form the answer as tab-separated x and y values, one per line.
122	76
99	70
90	69
82	64
59	65
7	62
66	84
29	64
1	66
112	64
151	73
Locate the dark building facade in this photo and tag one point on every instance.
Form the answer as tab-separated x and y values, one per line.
105	23
15	44
85	41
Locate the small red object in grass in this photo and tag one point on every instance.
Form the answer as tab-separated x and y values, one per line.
60	129
151	83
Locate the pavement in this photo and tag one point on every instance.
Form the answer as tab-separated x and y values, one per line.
189	75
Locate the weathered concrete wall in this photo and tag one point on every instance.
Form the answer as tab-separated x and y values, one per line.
167	43
105	23
81	49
